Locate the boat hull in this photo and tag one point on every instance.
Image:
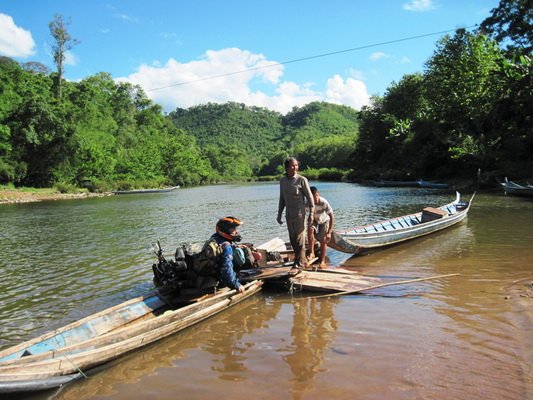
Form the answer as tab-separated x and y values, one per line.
416	184
37	365
514	189
141	191
397	230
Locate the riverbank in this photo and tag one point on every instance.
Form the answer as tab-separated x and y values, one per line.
8	196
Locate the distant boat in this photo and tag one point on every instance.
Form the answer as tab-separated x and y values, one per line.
396	230
514	189
431	185
138	191
382	183
418	183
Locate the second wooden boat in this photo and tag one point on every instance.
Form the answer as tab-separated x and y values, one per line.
141	191
396	230
514	189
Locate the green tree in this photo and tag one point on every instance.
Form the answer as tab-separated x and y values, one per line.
63	42
511	24
41	139
464	76
9	100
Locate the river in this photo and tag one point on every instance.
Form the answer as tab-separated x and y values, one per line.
463	337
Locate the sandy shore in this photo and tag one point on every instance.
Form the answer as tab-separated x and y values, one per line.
16	196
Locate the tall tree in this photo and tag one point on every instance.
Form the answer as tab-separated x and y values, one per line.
511	23
63	43
465	77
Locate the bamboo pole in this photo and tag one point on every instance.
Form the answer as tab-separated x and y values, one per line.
386	284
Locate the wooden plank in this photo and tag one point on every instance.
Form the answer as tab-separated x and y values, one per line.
394	283
273	245
332	282
265	273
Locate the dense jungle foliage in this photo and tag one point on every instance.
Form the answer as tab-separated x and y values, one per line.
469	110
243	141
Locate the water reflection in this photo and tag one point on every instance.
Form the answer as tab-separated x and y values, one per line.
225	340
313	329
464	337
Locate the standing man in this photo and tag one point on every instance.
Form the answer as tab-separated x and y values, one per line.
321	227
295	197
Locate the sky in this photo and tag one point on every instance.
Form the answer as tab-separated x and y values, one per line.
277	54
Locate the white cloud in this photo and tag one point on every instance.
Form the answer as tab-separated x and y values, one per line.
126	17
419	5
70	58
234	75
350	92
14	41
378	56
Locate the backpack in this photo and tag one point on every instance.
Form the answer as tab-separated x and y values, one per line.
202	262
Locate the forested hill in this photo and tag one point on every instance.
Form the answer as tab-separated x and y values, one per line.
233	134
320	134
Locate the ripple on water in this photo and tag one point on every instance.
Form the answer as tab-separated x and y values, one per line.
460	337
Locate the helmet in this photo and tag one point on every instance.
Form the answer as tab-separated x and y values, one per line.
226	227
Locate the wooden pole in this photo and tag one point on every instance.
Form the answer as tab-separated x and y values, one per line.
387	284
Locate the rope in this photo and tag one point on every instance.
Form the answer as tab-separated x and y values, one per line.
68	359
274	64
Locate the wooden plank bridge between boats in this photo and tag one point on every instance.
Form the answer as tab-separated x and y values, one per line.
332	280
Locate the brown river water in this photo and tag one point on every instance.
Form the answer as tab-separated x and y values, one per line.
468	336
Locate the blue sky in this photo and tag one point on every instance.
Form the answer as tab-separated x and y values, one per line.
174	48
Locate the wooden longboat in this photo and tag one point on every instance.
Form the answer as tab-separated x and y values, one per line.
420	183
141	191
431	184
514	189
70	352
396	230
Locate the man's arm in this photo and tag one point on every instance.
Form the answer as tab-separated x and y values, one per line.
226	272
331	216
281	204
309	196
